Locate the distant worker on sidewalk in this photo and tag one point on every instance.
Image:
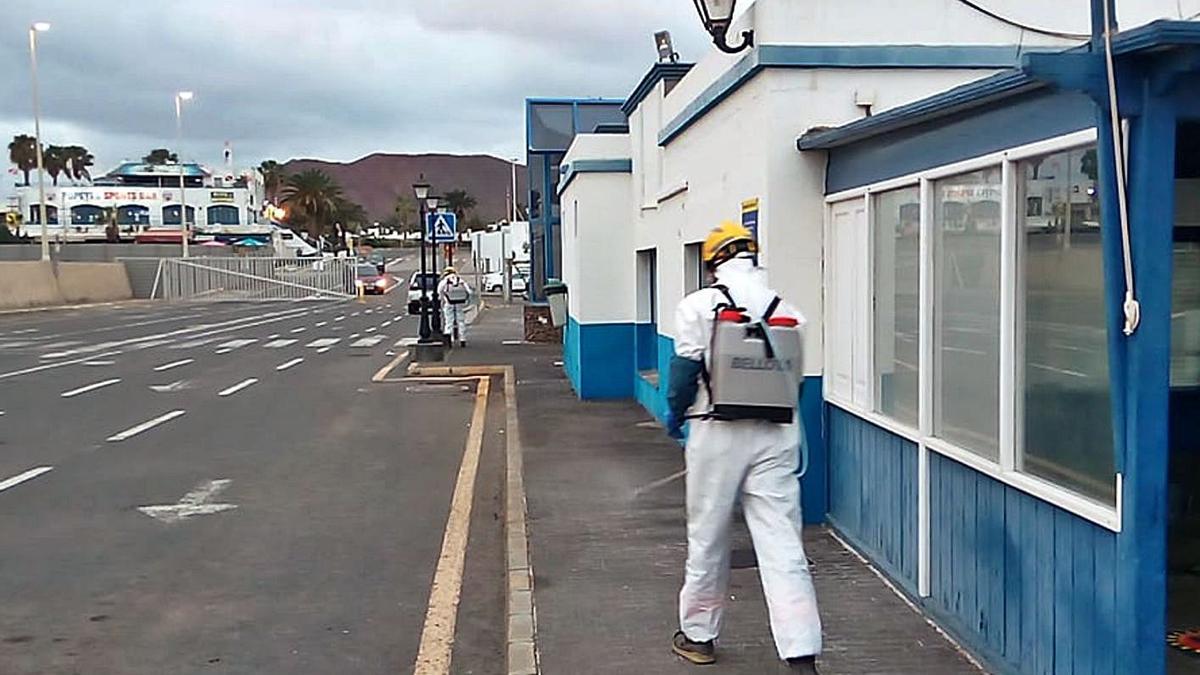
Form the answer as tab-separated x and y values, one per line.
454	294
743	440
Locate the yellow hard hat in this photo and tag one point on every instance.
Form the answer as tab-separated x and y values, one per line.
449	270
726	241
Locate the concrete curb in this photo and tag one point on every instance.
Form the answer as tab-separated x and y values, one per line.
521	614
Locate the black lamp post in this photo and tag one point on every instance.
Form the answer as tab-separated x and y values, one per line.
431	205
717	15
421	191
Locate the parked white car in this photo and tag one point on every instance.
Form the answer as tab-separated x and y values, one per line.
493	282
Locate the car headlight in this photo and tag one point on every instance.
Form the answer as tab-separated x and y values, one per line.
381	283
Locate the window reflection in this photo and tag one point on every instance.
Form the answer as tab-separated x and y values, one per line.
896	226
1064	392
967	310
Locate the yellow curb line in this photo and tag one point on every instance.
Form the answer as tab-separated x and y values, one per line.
437	635
521	625
383	372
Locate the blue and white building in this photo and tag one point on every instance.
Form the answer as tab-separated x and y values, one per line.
942	205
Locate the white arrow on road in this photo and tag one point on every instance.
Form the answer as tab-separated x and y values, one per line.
194	503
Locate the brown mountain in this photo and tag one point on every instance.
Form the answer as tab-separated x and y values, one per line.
377	179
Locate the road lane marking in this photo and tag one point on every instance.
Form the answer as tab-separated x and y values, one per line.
22	477
385	324
323	342
173	364
177	385
369	311
339	318
288	364
145	426
98	363
230	391
356	314
382	373
322	350
212	329
368	341
437	635
226	347
50	366
195	343
194	503
372	329
279	344
320	324
91	387
301	329
272	336
226	350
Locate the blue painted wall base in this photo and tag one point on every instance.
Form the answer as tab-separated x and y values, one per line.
598	359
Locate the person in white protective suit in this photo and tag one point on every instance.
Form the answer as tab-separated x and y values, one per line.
454	293
754	459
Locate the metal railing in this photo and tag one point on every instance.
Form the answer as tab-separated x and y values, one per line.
253	278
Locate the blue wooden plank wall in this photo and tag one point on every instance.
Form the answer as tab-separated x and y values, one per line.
873	493
1022	582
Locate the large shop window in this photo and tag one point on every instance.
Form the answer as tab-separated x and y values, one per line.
896	221
966	310
1062	367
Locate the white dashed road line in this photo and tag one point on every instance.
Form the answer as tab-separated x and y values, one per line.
320	324
91	387
145	426
279	344
301	329
385	324
48	366
369	341
22	477
372	329
248	382
173	364
322	350
323	342
339	318
288	364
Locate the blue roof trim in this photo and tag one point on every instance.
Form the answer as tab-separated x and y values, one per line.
839	56
573	169
1151	36
657	73
959	98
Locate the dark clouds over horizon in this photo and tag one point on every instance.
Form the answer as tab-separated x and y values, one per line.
311	78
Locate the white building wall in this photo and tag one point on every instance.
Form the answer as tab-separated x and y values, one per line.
598	258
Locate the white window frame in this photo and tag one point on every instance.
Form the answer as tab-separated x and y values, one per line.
1005	470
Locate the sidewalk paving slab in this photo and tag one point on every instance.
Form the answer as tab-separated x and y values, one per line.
608	560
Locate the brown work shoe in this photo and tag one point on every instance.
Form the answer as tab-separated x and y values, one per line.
699	653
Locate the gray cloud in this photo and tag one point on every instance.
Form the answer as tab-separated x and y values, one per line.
289	78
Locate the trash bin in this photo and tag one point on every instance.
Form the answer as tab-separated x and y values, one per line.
556	295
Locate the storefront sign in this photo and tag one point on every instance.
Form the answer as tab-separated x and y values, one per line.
220	197
750	219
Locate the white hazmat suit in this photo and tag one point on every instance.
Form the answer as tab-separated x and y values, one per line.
454	294
757	460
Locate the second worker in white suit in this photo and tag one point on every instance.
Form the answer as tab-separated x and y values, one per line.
731	453
455	295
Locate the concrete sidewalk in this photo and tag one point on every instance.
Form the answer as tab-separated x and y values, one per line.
608	560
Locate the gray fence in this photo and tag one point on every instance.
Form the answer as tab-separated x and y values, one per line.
92	252
253	278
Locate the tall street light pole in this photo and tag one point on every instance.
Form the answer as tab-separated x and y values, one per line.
431	205
34	29
421	192
180	97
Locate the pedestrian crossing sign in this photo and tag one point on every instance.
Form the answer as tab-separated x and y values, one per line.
441	228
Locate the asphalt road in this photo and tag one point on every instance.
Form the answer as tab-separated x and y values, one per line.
304	505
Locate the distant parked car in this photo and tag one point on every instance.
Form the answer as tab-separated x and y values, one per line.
429	281
371	281
493	282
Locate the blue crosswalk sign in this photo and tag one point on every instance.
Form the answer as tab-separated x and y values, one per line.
441	228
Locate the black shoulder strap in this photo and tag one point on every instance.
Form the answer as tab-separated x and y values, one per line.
772	307
725	291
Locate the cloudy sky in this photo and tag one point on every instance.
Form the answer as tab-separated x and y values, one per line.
320	78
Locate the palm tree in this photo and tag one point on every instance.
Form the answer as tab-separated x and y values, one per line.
54	158
160	156
78	161
273	178
405	213
459	202
312	198
22	152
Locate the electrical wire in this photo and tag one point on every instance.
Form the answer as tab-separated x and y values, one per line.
1016	24
1131	307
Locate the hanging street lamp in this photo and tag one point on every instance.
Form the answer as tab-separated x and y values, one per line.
717	15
